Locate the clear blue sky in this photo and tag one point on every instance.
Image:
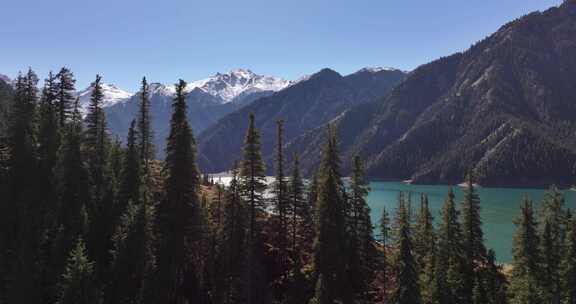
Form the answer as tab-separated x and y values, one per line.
170	39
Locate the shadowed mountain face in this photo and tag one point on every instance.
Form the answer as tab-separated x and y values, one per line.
303	106
504	109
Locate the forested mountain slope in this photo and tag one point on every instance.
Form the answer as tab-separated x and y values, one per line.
505	108
303	106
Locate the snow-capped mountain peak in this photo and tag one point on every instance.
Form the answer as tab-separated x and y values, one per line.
377	69
228	86
161	89
112	96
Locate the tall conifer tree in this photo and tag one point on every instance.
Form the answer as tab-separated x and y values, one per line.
229	288
525	281
281	198
385	236
102	205
407	290
95	133
144	129
252	178
179	211
552	234
473	237
332	284
302	222
425	248
449	270
134	258
253	185
65	95
22	238
569	264
131	184
73	190
362	251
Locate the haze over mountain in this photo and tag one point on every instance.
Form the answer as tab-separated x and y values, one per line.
504	109
309	103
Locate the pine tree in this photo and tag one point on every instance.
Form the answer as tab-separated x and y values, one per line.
233	267
424	236
252	178
78	283
48	138
302	225
95	134
73	190
329	263
385	236
65	92
449	269
407	290
179	211
553	233
425	248
525	284
130	188
144	130
49	141
253	185
473	237
133	254
22	140
280	189
569	264
24	227
362	252
102	207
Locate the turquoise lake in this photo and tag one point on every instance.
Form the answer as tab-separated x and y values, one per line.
499	207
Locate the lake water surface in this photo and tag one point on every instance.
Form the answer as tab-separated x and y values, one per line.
499	207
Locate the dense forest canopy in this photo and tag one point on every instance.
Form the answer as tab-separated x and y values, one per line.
85	219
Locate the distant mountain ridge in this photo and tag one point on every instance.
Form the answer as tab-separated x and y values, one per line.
504	109
303	106
208	100
229	86
225	87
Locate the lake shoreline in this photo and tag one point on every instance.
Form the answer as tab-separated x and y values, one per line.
507	185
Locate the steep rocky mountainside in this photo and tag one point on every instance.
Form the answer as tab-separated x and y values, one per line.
303	106
505	108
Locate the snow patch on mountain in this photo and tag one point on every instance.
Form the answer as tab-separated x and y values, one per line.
161	89
228	86
377	69
112	96
224	86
